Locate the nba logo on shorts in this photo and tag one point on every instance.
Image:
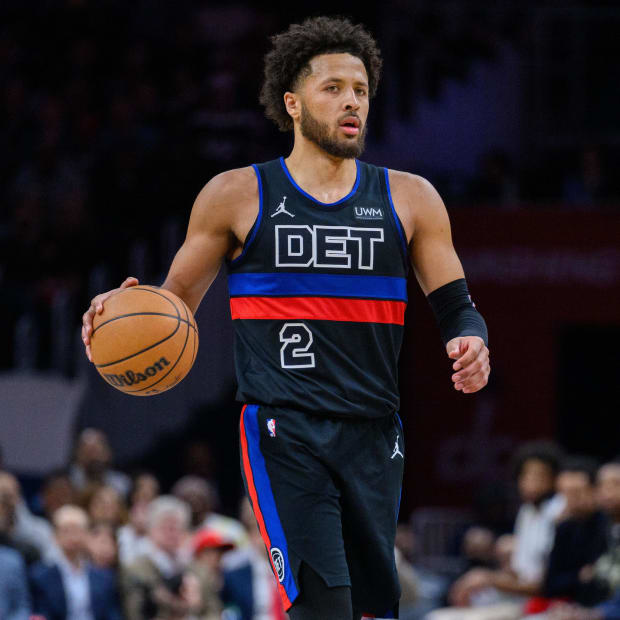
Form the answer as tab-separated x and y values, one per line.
271	427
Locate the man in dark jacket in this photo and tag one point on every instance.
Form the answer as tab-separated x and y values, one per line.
71	588
581	538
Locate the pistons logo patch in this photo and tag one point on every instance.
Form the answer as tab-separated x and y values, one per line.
271	427
278	563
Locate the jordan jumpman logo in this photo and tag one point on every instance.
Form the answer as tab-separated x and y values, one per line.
282	209
397	449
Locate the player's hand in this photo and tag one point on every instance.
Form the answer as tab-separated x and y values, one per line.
472	363
96	307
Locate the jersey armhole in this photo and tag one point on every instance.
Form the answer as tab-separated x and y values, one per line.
252	232
399	226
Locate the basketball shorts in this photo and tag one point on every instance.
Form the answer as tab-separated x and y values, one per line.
326	491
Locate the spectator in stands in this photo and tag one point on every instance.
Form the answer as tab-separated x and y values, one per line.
102	548
72	587
107	506
30	534
28	552
57	491
580	538
132	537
248	578
202	498
500	594
157	584
208	547
145	488
14	595
92	464
605	572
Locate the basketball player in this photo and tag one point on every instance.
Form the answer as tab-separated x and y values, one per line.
318	246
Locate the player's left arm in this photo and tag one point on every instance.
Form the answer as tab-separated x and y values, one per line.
440	275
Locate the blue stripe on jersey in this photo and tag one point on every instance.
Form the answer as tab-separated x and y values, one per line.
307	195
256	226
401	232
265	497
317	285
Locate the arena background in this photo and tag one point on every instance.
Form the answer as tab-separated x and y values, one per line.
114	115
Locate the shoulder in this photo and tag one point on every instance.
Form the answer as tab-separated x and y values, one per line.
230	186
226	197
417	202
402	180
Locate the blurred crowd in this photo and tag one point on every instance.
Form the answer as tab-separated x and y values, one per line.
560	560
94	544
107	546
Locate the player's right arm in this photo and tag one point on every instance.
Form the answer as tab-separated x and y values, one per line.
221	218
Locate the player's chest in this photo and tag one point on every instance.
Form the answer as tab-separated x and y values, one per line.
355	236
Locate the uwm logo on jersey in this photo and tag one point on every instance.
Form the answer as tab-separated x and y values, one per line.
342	247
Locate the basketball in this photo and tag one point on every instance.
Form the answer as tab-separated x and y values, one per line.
145	341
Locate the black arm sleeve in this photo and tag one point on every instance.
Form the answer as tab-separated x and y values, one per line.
455	312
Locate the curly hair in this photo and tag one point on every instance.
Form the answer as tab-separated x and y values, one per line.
289	59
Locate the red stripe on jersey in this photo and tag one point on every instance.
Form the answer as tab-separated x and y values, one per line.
247	469
319	308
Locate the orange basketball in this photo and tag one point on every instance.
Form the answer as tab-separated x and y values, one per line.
145	341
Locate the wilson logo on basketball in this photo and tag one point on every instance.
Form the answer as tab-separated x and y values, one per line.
130	377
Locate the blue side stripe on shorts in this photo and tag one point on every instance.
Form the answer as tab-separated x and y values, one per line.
265	497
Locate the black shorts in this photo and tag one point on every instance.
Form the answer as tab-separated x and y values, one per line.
326	491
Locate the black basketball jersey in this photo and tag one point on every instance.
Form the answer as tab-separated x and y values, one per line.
318	297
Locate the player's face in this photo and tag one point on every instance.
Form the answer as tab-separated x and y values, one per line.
334	104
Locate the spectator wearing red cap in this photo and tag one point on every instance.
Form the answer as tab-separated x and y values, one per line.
208	548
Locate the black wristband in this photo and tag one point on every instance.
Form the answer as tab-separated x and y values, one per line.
455	312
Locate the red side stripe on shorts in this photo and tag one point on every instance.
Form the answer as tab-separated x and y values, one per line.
247	468
319	308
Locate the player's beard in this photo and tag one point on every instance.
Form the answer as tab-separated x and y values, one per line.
319	133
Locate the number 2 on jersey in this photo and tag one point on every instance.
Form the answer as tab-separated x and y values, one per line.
296	339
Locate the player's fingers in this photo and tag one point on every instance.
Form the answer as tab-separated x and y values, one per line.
481	361
477	381
87	320
465	360
97	302
469	371
89	355
453	347
473	351
130	281
477	371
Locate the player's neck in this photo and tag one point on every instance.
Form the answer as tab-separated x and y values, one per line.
325	177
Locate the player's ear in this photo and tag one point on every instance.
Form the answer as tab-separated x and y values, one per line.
292	102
